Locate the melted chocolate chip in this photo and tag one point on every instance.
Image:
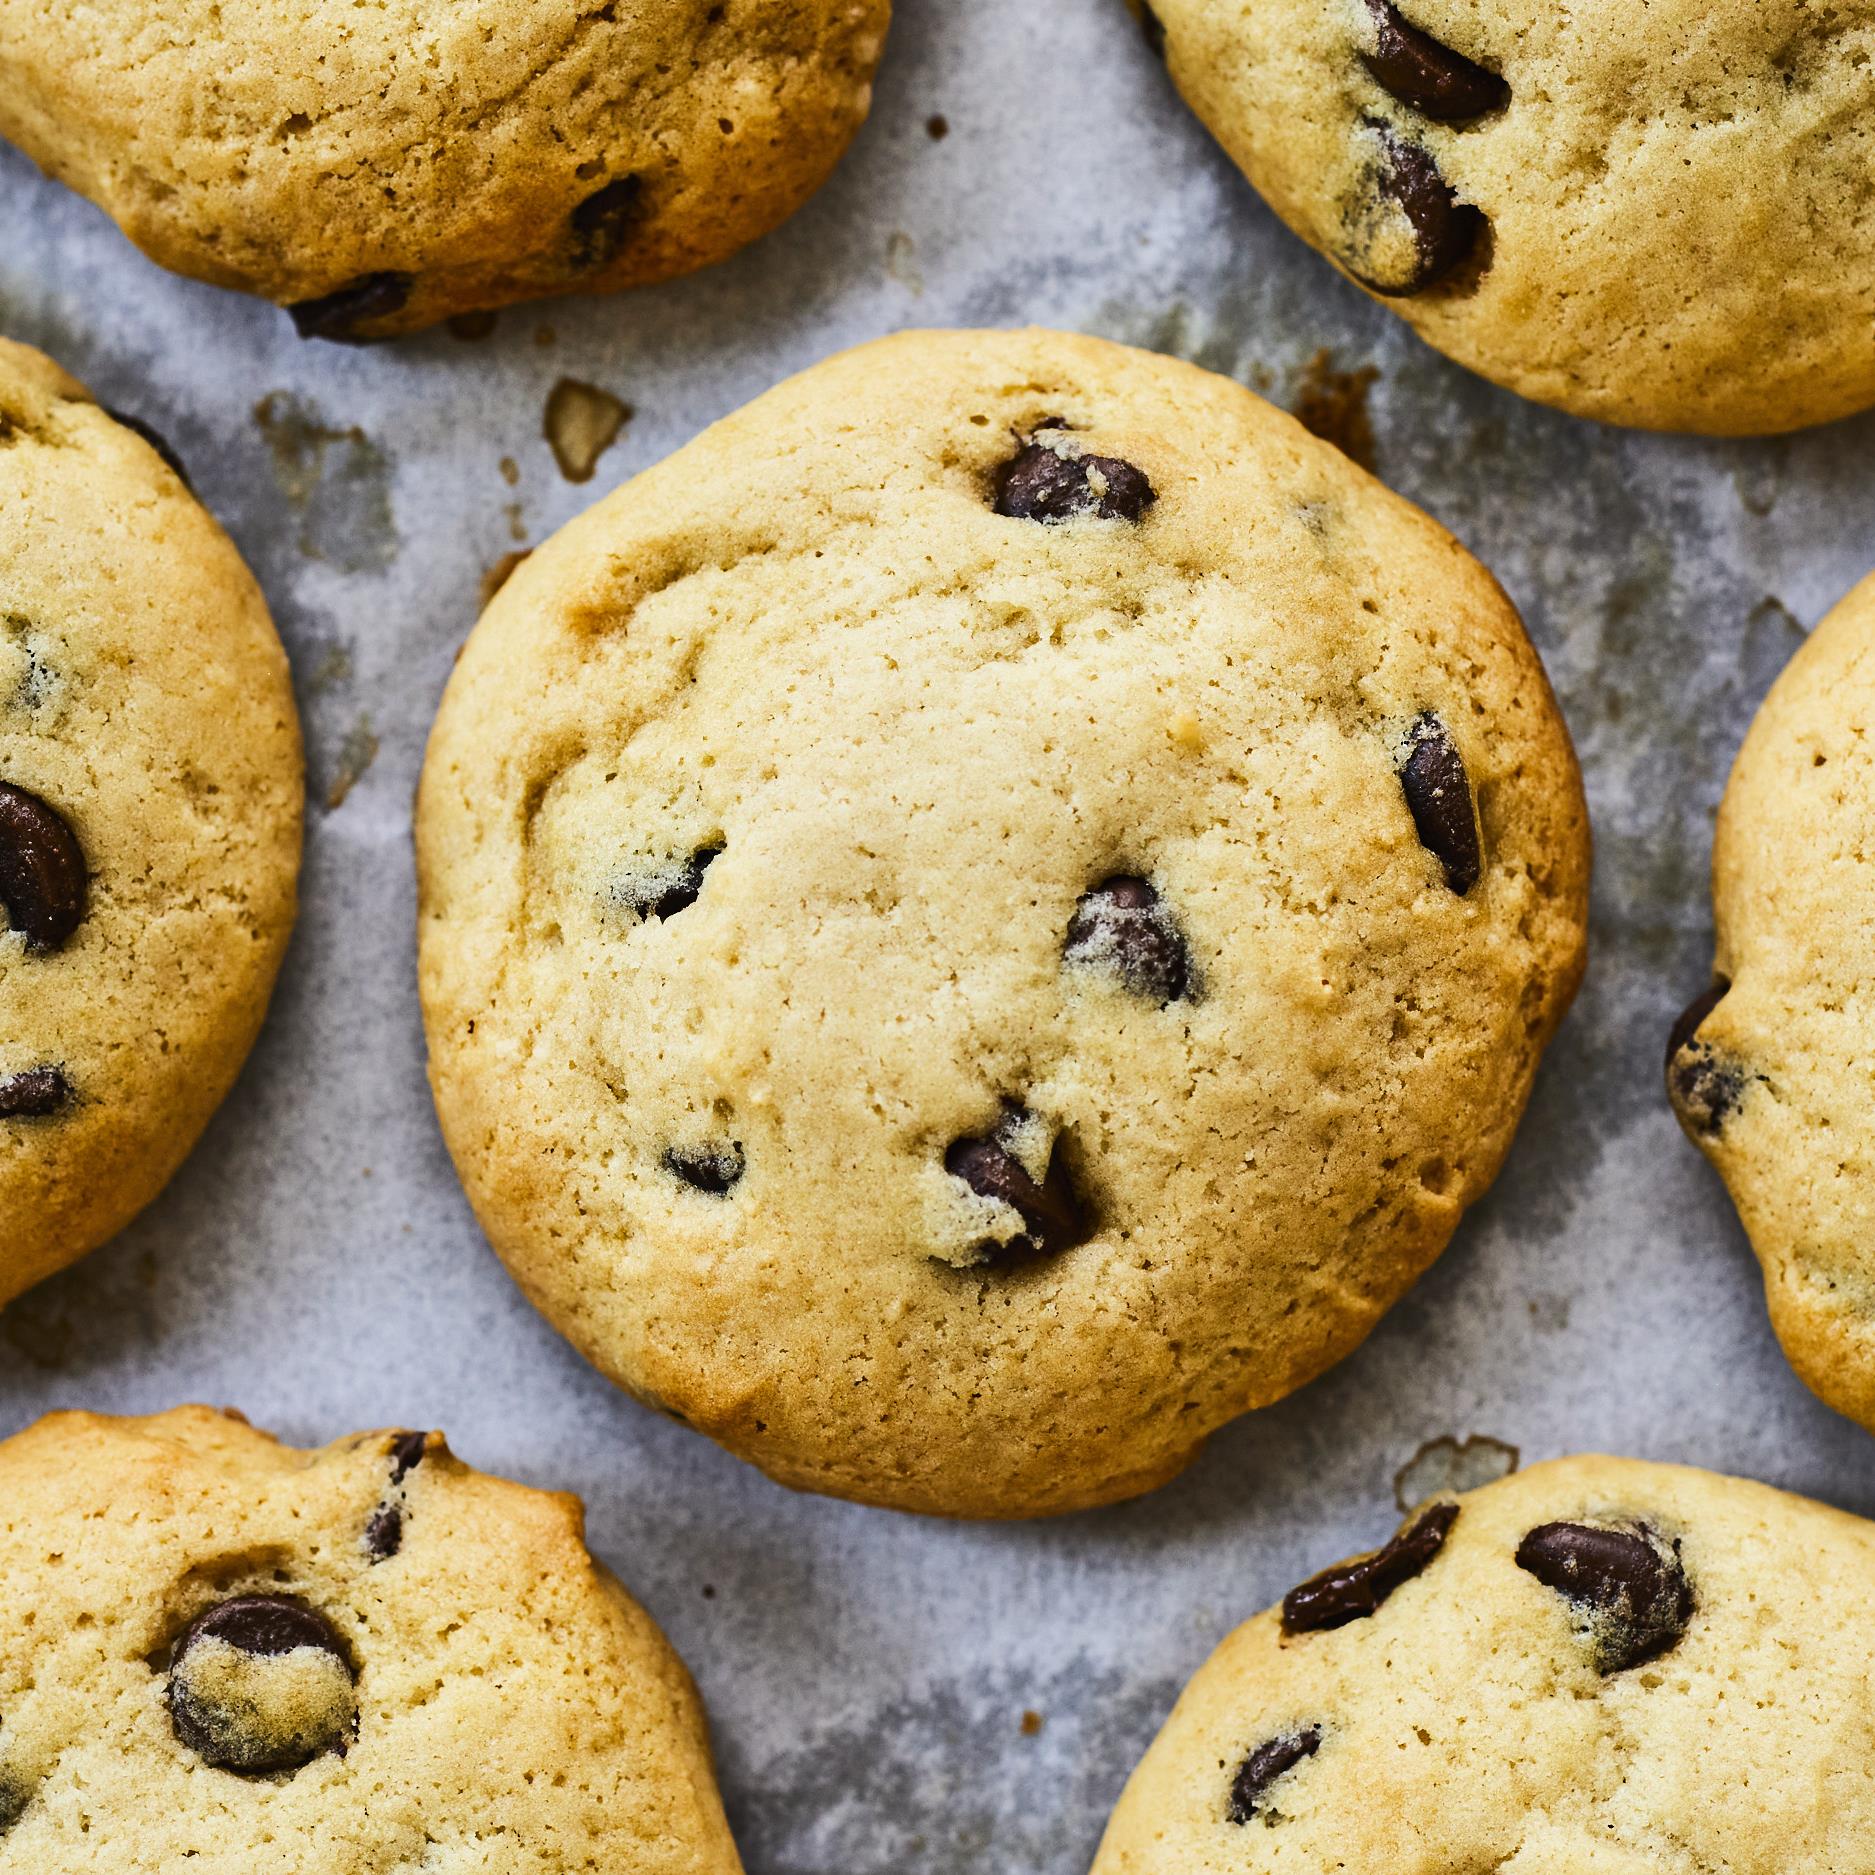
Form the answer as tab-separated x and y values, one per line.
1438	793
1445	230
363	302
384	1532
1431	77
157	441
1124	928
1687	1023
43	884
1703	1085
36	1094
1051	1213
667	890
712	1170
407	1450
1046	481
1353	1590
606	220
1627	1579
1263	1767
261	1683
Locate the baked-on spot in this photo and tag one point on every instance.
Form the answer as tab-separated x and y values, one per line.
1263	1767
581	422
1625	1579
1353	1590
1438	794
43	882
261	1683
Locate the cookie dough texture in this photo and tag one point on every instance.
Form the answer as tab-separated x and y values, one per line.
145	700
1467	1726
505	1706
419	161
1771	1080
762	840
1677	228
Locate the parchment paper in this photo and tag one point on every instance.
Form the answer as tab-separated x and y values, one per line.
316	1264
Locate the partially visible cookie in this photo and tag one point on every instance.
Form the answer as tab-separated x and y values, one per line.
1655	215
150	798
989	915
376	169
1769	1067
221	1654
1598	1667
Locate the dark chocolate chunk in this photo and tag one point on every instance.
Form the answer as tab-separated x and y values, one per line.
1704	1086
275	1693
363	302
1263	1767
407	1450
43	884
1431	77
384	1532
606	220
157	441
1123	927
1686	1024
1051	1213
1438	793
34	1094
1445	230
713	1170
1626	1578
1353	1590
1046	481
664	891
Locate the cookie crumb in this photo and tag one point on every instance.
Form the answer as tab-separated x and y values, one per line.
937	126
1031	1723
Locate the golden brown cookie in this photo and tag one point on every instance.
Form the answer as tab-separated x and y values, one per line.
150	800
988	915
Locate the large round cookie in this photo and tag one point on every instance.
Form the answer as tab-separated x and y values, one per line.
150	796
1655	215
1599	1667
221	1655
376	169
1769	1068
957	949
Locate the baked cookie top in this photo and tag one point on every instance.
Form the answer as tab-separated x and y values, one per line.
379	168
150	798
1768	1069
989	914
225	1655
1655	215
1597	1667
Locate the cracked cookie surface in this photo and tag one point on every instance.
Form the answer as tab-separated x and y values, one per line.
150	803
1605	1668
377	169
1768	1067
1654	215
206	1662
1072	1040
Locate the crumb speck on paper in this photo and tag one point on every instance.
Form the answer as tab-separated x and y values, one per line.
1031	1723
510	470
937	126
580	425
356	754
1332	404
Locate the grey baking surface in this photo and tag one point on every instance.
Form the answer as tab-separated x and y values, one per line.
316	1264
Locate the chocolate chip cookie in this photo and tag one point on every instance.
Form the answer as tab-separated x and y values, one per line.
150	792
1598	1665
1654	215
213	1656
376	169
988	915
1767	1067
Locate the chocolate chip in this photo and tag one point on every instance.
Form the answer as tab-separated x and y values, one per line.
384	1532
157	441
1438	793
1123	927
43	884
713	1170
407	1450
1263	1767
261	1683
664	891
1445	230
1626	1578
1154	28
1703	1085
1047	480
1351	1591
606	220
35	1094
339	315
1051	1213
1431	77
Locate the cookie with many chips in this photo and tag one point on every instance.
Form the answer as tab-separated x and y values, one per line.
988	915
